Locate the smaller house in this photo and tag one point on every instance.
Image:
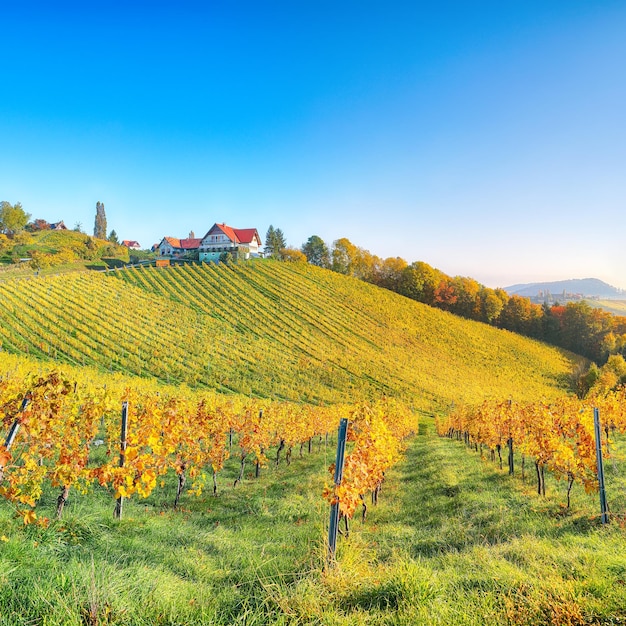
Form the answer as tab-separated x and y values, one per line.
58	226
131	245
172	247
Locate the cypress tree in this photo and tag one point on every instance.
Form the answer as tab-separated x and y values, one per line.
100	226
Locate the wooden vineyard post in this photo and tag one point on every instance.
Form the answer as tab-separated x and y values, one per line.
334	508
8	442
120	501
509	443
604	512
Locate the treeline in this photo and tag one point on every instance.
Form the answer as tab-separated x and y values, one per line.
576	326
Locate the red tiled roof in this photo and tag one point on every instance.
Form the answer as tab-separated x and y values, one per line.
190	244
236	235
247	235
183	244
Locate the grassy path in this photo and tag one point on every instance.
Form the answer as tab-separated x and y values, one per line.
453	541
456	541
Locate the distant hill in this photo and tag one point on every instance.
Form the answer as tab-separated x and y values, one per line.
576	288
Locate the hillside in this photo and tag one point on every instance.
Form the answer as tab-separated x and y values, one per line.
454	540
275	330
615	307
586	287
56	251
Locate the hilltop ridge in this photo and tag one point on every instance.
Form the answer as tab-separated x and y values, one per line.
581	287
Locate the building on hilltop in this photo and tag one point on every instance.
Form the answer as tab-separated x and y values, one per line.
131	245
239	242
172	247
243	243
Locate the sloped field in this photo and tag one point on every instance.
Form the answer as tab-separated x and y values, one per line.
272	329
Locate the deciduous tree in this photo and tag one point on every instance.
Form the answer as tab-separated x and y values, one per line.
343	255
13	218
293	255
316	251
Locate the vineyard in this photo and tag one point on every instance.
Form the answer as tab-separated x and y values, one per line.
56	426
197	408
272	330
557	436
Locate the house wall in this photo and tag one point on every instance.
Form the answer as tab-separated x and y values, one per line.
214	255
168	250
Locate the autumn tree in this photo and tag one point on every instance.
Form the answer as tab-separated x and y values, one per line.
520	315
366	266
390	273
343	256
491	303
467	292
293	255
446	294
419	282
100	226
38	224
13	218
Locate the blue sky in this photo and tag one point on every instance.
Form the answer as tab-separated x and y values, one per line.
485	138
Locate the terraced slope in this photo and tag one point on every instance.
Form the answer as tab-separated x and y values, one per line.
273	329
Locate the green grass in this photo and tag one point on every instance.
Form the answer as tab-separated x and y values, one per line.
454	540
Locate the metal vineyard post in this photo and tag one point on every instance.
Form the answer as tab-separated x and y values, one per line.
334	507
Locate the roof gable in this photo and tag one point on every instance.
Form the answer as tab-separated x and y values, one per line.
247	235
235	235
222	228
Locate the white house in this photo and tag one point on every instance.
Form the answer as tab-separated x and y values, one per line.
242	242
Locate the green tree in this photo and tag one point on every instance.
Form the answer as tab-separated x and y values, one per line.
91	250
100	226
275	242
13	218
113	238
316	251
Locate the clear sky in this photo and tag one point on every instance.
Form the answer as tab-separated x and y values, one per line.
485	138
